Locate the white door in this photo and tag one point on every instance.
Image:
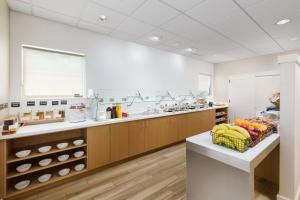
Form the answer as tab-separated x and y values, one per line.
266	84
241	97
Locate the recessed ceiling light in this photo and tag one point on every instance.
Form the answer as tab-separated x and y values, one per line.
283	21
294	38
155	38
189	50
102	18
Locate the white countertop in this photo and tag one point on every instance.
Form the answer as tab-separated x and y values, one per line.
246	161
65	126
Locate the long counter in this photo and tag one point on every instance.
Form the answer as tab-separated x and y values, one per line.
33	130
106	143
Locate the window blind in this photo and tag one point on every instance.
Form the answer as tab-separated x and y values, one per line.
51	73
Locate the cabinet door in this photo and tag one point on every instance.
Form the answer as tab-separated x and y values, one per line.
173	130
200	122
136	137
156	131
183	129
119	141
98	146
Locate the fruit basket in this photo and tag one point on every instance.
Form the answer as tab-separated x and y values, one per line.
231	136
240	145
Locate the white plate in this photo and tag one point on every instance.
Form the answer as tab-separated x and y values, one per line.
78	154
45	162
44	178
23	153
64	172
63	157
23	167
22	184
44	149
62	145
79	167
78	142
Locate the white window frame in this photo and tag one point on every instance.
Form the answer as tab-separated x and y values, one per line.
54	51
211	82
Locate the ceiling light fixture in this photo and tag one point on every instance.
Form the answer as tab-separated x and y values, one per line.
102	18
294	39
283	21
189	50
155	38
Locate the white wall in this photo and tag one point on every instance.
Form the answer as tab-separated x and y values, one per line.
111	63
4	51
223	71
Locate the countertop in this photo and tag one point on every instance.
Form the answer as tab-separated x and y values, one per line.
246	161
33	130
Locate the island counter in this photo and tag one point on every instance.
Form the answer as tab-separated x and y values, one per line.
215	172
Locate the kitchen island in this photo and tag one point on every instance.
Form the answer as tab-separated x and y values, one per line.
215	172
106	143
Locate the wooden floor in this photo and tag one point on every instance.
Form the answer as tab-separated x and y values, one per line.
160	175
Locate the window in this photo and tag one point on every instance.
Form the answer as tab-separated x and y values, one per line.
52	74
205	84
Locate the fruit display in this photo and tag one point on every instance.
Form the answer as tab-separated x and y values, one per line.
257	131
270	123
231	136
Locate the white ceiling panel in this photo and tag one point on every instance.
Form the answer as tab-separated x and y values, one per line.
67	7
134	27
154	12
235	24
93	11
182	5
40	12
20	6
123	6
123	36
94	27
268	12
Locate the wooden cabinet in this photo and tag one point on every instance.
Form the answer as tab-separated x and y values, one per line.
119	141
156	131
173	130
136	137
182	124
199	122
98	149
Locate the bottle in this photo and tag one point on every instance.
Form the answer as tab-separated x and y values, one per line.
119	111
108	113
114	112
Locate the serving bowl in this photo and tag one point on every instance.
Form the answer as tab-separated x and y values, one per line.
45	162
23	153
44	149
79	167
64	172
78	142
44	178
23	167
78	154
62	145
63	157
22	184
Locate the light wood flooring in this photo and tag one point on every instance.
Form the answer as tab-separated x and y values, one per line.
160	176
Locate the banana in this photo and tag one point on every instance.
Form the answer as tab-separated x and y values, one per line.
234	134
226	125
240	130
219	127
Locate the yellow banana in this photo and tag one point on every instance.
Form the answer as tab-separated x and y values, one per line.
234	134
241	131
225	141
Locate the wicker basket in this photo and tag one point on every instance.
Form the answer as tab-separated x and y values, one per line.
231	142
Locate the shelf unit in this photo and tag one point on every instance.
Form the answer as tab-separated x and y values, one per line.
221	115
33	143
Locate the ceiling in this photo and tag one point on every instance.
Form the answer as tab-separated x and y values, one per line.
215	30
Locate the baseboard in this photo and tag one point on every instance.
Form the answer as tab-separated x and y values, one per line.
279	197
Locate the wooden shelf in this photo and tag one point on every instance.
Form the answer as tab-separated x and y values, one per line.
38	168
35	184
35	153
